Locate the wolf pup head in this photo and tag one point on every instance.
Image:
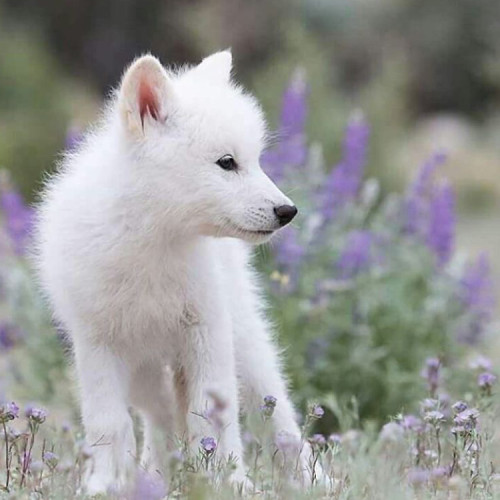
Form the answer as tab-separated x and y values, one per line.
195	139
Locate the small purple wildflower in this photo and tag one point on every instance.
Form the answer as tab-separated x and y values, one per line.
270	400
37	415
208	445
51	459
335	439
8	411
267	409
441	226
467	418
485	381
460	406
356	255
316	412
344	181
317	440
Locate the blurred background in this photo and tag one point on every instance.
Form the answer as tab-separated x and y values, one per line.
425	74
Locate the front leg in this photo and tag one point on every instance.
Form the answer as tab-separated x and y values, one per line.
259	372
103	380
207	387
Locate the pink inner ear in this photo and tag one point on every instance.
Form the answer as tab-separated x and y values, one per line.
148	102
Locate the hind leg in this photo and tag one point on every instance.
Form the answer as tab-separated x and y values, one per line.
152	393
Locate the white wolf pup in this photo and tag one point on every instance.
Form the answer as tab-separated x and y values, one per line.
143	250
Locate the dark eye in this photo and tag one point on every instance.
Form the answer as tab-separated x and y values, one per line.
227	162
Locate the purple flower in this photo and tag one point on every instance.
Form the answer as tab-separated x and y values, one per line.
208	445
270	400
10	335
316	412
356	254
8	411
267	409
467	418
148	487
417	198
343	183
478	296
459	406
441	226
486	380
335	439
18	218
291	151
37	415
51	459
317	440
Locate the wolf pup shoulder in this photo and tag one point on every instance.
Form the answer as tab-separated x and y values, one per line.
143	252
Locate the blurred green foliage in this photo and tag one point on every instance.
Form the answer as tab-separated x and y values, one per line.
397	60
33	111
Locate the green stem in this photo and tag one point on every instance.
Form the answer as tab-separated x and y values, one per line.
7	461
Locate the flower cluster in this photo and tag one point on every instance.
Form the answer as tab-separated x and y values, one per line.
8	411
267	409
35	414
369	268
208	445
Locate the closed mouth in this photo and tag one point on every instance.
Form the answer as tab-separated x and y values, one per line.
255	232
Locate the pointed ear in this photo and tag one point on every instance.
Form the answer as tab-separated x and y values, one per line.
144	94
217	67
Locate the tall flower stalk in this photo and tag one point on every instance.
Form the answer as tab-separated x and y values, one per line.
344	181
290	150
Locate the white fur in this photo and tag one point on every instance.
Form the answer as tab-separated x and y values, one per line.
138	254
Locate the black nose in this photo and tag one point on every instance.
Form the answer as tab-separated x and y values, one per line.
285	213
